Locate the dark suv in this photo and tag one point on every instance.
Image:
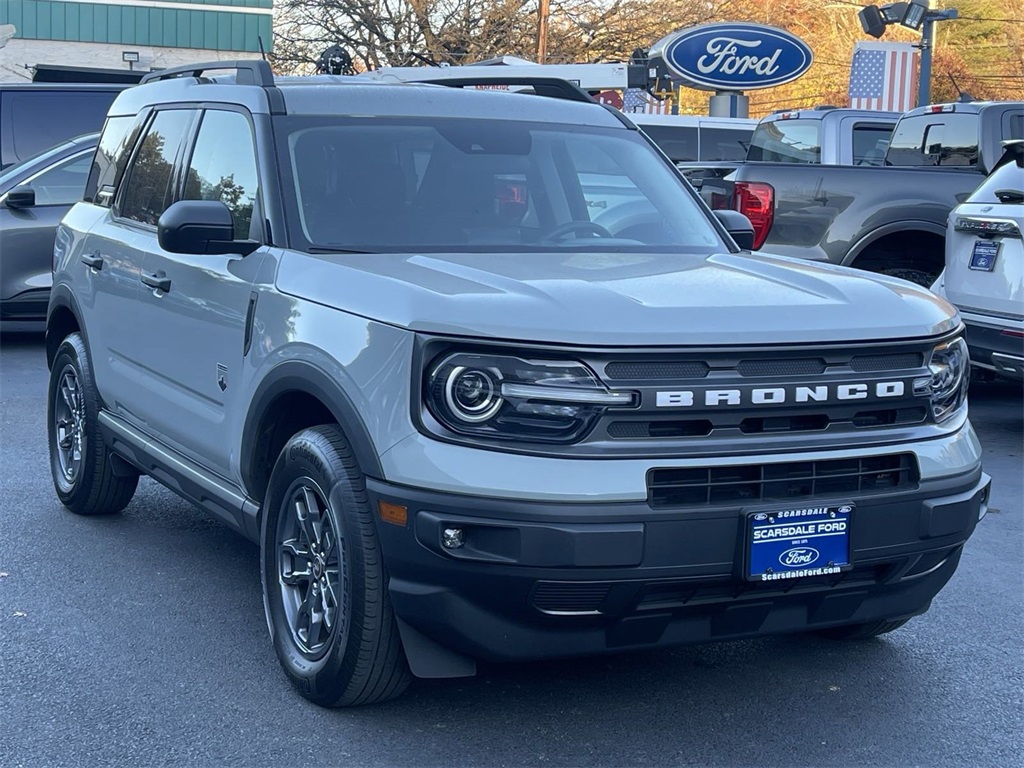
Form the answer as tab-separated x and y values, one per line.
486	380
37	116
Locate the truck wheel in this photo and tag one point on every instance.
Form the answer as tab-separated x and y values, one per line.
325	589
919	276
81	465
862	631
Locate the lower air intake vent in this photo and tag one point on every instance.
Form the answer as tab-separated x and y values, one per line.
569	597
780	482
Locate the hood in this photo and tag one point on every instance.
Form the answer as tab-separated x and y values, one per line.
619	299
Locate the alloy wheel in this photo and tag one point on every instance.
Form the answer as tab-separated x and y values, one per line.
69	426
310	563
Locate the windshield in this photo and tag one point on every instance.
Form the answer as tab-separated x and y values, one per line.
786	141
386	184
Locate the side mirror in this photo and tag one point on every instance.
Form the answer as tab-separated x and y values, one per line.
739	226
21	197
200	227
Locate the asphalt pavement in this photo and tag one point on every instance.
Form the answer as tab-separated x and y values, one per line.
140	640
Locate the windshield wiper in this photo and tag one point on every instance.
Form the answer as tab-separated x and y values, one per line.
332	249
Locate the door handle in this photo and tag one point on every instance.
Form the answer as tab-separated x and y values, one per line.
159	281
93	260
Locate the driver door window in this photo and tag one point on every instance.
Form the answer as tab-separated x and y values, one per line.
223	167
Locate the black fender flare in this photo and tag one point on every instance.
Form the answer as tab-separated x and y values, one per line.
61	297
305	377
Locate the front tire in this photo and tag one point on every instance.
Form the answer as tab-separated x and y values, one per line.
324	583
80	463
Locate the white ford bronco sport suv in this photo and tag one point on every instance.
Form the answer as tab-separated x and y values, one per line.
486	380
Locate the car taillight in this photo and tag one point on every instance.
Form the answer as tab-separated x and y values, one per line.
756	201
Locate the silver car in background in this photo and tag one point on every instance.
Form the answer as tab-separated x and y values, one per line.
984	274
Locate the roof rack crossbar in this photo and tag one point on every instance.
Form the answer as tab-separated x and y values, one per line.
551	87
248	72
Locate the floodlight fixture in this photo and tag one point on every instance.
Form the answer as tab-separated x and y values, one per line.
892	13
913	18
871	20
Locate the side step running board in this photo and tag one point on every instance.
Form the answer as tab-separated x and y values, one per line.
193	483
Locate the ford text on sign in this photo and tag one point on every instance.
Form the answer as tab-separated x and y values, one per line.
735	57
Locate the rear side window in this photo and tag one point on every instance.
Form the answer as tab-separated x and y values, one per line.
1015	126
678	142
786	141
1009	177
223	166
943	138
40	119
870	143
147	192
724	143
110	160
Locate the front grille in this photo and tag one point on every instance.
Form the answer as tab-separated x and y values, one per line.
763	425
686	487
780	367
704	398
569	596
665	370
642	430
895	362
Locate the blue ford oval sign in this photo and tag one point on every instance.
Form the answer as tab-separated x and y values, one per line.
734	57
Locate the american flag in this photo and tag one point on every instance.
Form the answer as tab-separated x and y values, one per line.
638	100
883	76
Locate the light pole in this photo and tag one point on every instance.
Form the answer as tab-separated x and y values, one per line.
914	15
924	82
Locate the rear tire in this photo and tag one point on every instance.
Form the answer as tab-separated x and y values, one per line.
862	631
80	463
919	276
325	589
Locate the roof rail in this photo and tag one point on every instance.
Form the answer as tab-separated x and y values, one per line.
249	72
551	87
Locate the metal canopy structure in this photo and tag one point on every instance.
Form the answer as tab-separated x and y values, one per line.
588	77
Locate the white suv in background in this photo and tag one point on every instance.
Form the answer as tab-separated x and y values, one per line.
984	274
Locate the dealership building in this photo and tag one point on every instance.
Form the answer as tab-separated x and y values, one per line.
38	35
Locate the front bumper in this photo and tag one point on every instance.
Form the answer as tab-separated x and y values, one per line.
545	579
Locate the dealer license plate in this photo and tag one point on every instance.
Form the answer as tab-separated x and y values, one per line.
798	542
983	258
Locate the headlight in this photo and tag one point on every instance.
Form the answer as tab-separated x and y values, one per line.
499	397
947	386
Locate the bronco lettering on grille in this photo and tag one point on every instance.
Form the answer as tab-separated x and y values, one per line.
687	398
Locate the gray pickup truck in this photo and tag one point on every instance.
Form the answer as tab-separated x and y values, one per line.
823	135
888	219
